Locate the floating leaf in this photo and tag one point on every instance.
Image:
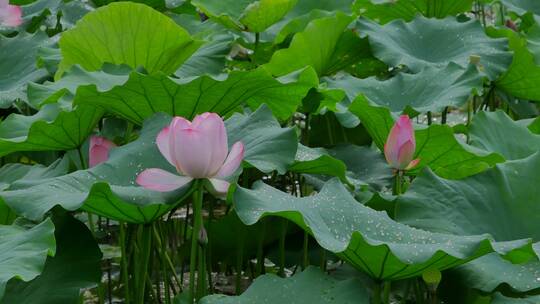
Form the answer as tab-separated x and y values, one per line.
126	33
367	239
495	131
23	251
143	95
77	249
436	146
425	46
432	89
311	285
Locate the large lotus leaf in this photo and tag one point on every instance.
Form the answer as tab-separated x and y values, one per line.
143	95
369	240
209	59
305	6
432	89
309	286
502	201
268	147
495	131
48	12
19	67
425	46
126	33
248	15
386	11
365	165
23	251
325	44
76	265
490	271
52	128
436	146
318	161
496	201
298	24
157	4
17	175
521	79
498	298
522	7
66	87
109	189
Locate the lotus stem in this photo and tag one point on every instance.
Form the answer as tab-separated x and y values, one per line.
197	222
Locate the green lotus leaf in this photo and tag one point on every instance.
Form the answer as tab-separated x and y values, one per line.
126	33
498	298
521	7
17	68
157	4
298	24
425	46
365	166
65	88
209	59
502	201
386	11
513	81
38	13
318	161
367	239
109	189
534	126
268	147
246	15
325	44
77	250
495	131
143	95
432	89
52	128
436	146
17	175
23	251
311	286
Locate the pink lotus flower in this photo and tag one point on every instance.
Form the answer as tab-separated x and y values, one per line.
99	150
10	15
400	145
198	150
